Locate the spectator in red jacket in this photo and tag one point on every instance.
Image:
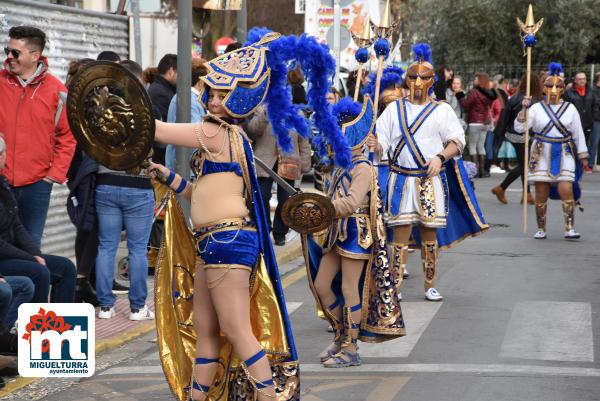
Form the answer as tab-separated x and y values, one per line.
34	122
478	103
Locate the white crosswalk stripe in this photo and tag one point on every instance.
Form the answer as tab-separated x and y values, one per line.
417	316
550	331
292	306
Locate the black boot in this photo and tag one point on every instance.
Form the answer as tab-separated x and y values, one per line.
481	166
8	343
84	292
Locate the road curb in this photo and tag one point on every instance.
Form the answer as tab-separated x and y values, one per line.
288	254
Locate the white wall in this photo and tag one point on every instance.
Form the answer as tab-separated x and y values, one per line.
159	37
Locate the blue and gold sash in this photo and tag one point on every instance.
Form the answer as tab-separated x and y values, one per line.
556	143
409	131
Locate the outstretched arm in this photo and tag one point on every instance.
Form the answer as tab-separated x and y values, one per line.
184	134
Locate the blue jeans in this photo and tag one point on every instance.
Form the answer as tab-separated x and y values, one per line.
33	201
21	290
489	145
594	142
59	272
171	157
132	208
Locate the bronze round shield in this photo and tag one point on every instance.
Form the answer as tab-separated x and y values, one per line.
111	115
308	212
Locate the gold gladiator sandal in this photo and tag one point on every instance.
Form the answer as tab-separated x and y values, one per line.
259	385
429	256
540	214
338	330
569	215
398	257
194	385
347	357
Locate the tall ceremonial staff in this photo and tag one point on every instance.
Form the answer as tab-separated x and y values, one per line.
382	50
382	47
527	33
362	54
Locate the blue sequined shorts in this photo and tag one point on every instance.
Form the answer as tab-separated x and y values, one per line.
354	237
228	242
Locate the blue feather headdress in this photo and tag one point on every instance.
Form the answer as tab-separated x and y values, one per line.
319	67
357	120
422	53
555	68
391	77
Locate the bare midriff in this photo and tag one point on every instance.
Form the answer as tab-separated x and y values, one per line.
217	196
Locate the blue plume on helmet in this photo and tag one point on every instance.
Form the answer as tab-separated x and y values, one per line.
555	68
346	109
422	52
319	67
391	77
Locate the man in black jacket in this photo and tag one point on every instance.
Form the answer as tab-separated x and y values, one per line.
161	92
581	97
20	255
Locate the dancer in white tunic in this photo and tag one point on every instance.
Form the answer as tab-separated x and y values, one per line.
419	136
558	151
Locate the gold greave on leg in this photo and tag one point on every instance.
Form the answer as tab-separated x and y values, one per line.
338	330
429	256
337	324
540	214
351	327
569	214
398	257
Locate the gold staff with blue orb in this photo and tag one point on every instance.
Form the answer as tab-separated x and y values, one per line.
362	54
528	31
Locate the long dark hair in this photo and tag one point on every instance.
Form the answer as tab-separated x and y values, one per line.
536	86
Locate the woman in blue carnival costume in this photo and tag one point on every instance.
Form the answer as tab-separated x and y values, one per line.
243	347
429	194
558	151
390	90
348	268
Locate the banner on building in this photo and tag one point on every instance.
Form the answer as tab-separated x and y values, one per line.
234	5
319	23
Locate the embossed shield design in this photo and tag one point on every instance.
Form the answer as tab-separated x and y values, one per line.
308	212
111	115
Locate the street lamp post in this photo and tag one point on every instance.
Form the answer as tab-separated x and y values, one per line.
184	83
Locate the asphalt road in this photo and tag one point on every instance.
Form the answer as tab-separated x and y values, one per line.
519	321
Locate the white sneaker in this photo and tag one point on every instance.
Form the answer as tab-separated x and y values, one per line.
141	314
496	170
106	312
433	295
540	235
572	234
405	273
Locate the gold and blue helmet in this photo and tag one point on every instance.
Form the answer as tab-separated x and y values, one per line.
257	74
244	74
356	120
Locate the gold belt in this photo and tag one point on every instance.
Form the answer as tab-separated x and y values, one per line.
552	139
237	223
362	210
410	172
